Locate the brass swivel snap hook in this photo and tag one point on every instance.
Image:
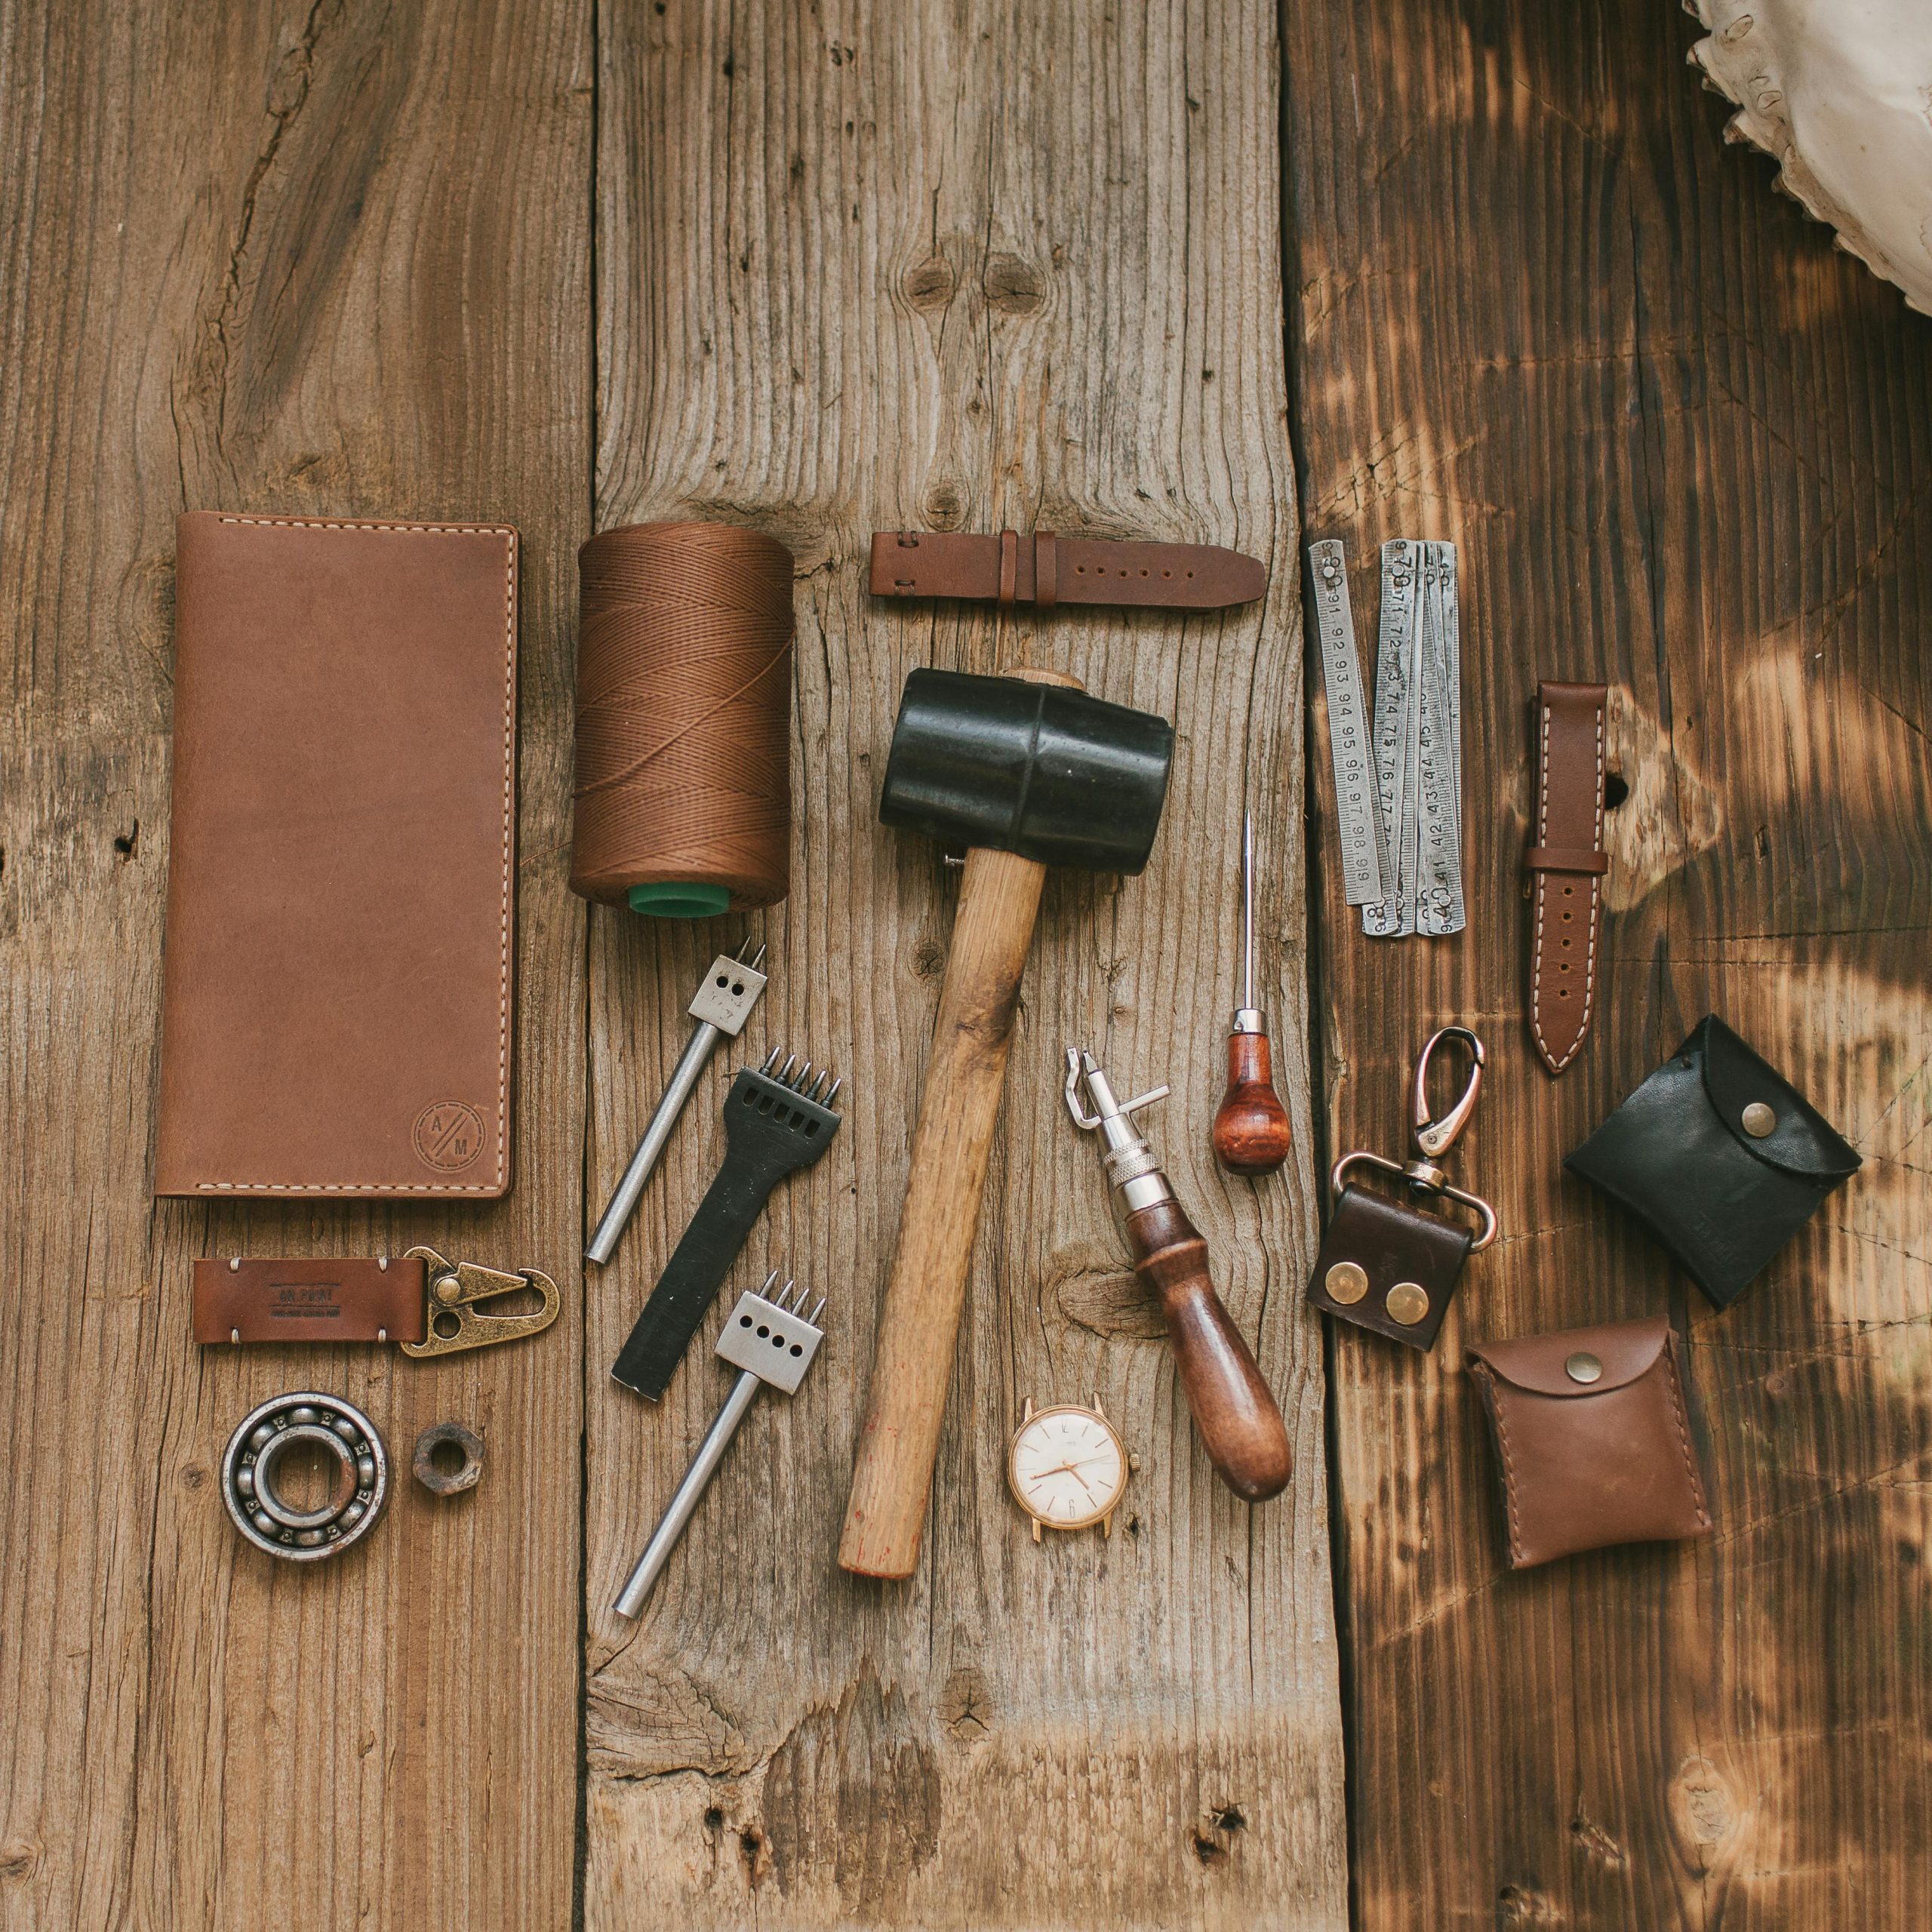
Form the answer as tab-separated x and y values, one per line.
455	1287
1434	1137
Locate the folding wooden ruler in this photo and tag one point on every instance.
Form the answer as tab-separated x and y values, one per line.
1401	825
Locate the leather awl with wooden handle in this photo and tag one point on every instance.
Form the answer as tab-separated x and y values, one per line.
1026	771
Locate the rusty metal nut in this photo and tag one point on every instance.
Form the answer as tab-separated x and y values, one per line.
447	1482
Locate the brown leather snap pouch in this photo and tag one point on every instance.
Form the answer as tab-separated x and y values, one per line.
1592	1439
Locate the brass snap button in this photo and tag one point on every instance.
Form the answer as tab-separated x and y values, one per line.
1759	1120
1407	1303
1346	1282
1583	1367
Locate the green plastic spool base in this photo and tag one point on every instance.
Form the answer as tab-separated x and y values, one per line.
679	899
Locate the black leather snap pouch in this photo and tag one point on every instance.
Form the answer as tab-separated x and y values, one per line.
1720	1157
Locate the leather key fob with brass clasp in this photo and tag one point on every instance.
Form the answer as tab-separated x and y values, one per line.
1392	1266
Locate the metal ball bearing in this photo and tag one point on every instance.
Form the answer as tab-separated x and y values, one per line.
255	1451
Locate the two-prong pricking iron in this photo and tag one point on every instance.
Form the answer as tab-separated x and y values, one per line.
722	1004
776	1120
769	1338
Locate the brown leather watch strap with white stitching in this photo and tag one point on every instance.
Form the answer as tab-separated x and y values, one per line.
1563	868
1045	568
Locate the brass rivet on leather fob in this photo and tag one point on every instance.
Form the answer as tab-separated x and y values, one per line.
1407	1303
1759	1120
1346	1282
1583	1367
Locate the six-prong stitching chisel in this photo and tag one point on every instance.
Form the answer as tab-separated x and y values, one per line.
776	1120
768	1338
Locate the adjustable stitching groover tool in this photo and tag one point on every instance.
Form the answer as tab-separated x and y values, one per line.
731	987
1238	1421
1392	1266
768	1338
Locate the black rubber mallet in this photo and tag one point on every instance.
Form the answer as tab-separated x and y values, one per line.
1026	772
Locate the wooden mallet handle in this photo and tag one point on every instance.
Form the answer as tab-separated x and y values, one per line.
1240	1425
999	899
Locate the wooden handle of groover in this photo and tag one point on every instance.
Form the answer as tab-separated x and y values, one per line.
1237	1419
918	1325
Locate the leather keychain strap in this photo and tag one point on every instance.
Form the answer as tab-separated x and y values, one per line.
1045	569
1564	865
310	1299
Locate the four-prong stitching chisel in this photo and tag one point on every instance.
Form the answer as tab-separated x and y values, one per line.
768	1338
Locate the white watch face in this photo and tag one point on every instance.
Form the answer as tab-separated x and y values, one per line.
1067	1467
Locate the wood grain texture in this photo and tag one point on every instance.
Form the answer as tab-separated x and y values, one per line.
1683	445
964	265
247	259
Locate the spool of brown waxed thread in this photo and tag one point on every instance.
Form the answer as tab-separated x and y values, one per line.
683	719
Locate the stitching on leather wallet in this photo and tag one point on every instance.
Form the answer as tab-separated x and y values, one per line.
1495	1407
508	533
1684	1433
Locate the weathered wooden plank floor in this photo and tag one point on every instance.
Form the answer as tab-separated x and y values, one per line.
1684	448
830	268
948	287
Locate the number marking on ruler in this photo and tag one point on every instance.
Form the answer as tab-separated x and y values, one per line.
1358	810
1439	908
1395	746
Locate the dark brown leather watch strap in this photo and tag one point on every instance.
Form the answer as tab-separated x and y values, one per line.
1046	568
1564	865
256	1299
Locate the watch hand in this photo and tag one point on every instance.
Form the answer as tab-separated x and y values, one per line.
1071	1470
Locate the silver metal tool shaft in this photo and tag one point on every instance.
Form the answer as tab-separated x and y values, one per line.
1247	910
722	1005
767	1337
683	1077
638	1585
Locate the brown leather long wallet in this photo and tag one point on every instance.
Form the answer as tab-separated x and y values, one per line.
336	1010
